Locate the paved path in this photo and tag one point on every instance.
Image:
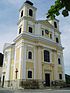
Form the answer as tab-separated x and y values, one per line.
3	90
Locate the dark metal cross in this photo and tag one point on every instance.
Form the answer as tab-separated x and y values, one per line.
16	72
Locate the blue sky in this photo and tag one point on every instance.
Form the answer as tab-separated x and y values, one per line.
9	17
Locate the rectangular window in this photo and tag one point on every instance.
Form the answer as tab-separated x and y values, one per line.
51	36
29	55
55	24
21	13
29	74
19	30
30	29
42	33
46	56
60	76
59	61
57	40
30	12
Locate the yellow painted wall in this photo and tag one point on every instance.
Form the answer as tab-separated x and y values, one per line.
17	60
29	66
59	69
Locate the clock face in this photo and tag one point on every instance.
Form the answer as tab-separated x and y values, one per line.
46	31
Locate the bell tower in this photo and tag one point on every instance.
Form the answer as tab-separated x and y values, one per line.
27	17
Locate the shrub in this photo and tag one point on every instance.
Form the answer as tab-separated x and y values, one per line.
29	84
60	83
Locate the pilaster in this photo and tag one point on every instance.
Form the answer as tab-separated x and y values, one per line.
56	77
39	64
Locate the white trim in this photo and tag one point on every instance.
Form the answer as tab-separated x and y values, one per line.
46	72
24	62
50	52
35	62
7	76
32	73
20	62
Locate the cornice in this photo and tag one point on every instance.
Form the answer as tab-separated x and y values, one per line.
8	46
26	18
45	22
35	38
56	30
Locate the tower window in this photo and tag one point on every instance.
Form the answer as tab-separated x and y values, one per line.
29	74
30	29
19	30
60	76
42	33
57	40
55	24
30	12
21	13
59	61
46	56
29	55
51	36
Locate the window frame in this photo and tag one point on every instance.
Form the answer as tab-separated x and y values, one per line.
57	40
30	55
30	12
42	33
60	76
20	30
50	35
29	74
47	56
59	61
22	13
30	29
55	24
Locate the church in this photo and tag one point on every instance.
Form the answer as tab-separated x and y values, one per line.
36	54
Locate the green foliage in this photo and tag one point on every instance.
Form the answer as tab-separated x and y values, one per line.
29	84
55	9
56	83
67	77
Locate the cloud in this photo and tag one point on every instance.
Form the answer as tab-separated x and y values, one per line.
7	34
8	20
13	2
65	38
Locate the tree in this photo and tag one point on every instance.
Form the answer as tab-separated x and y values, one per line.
55	9
67	77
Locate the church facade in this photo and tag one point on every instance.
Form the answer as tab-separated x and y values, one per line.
37	53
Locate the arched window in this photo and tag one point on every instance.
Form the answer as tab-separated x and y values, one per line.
29	74
46	56
29	55
30	12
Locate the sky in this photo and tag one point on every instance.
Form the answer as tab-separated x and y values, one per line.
9	13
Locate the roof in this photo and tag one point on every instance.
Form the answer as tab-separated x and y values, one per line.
8	45
45	22
28	2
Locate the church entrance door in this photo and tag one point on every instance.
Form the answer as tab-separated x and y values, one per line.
47	79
